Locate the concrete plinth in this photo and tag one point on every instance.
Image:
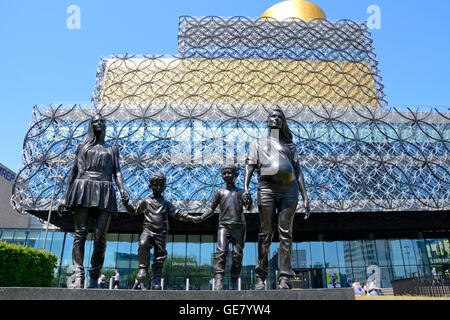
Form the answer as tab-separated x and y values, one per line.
123	294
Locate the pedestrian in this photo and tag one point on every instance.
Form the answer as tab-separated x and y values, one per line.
116	280
358	289
373	289
434	277
101	282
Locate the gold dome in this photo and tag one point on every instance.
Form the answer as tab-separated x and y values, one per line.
299	9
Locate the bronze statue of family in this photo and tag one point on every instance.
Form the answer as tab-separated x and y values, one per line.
90	194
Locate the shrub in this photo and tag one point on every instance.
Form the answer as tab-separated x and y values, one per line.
22	266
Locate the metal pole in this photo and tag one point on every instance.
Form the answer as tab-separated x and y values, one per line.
162	283
51	206
61	260
239	284
187	284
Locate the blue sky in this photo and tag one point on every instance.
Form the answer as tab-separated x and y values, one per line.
42	61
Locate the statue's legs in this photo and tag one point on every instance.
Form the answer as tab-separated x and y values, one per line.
238	234
145	245
81	218
160	255
265	236
285	228
101	224
220	257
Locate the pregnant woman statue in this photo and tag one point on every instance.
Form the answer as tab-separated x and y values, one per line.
280	180
90	195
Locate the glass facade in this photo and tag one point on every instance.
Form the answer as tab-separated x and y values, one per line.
315	262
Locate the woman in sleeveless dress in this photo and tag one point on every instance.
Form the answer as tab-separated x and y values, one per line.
90	195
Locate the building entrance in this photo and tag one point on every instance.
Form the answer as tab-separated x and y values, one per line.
308	278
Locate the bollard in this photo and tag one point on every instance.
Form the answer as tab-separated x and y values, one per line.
187	284
110	283
239	284
162	283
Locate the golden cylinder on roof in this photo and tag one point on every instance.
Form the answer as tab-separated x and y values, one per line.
297	9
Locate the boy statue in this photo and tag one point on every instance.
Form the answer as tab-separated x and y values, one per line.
232	227
155	230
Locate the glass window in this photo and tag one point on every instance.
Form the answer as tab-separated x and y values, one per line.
179	253
396	252
40	241
357	253
207	250
369	252
317	258
360	274
345	254
57	239
383	256
409	254
398	272
420	250
32	239
87	250
303	254
134	251
446	248
385	280
411	271
331	254
20	237
8	236
123	251
110	252
346	277
193	250
123	259
66	259
248	265
274	257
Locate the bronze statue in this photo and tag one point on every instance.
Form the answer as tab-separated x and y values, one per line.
232	227
280	179
90	195
155	230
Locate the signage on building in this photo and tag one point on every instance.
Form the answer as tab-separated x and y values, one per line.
7	174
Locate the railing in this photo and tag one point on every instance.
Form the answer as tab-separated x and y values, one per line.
423	286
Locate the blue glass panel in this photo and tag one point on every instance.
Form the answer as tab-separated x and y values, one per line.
409	254
56	244
193	250
7	236
317	258
32	239
331	254
395	252
207	250
382	248
357	253
110	253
